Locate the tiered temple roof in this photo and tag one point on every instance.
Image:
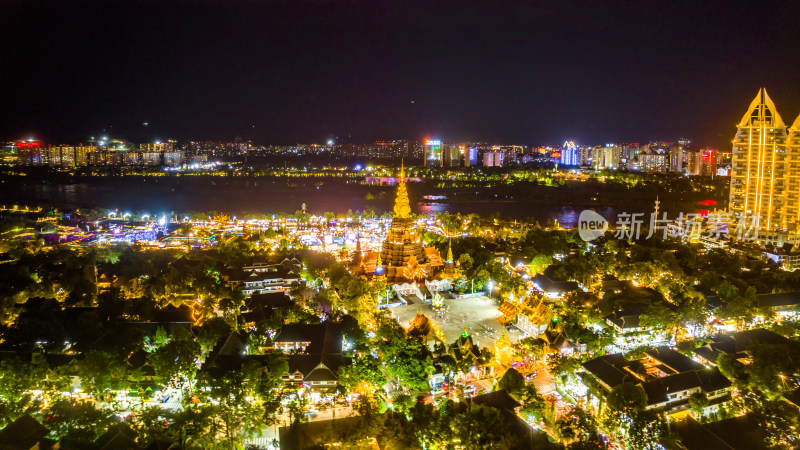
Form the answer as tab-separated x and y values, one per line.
403	258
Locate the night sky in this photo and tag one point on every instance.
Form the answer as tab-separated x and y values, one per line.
282	72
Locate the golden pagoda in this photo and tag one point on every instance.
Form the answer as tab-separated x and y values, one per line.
403	258
449	251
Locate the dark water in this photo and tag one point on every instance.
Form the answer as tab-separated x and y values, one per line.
271	197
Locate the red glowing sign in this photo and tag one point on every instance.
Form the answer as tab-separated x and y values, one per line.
707	202
28	144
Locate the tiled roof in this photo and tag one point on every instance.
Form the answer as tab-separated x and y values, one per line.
778	299
673	359
609	369
549	285
497	399
275	300
738	343
23	433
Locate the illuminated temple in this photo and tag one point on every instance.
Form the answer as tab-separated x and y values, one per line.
403	259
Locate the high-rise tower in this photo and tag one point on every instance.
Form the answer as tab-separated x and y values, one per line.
793	177
759	166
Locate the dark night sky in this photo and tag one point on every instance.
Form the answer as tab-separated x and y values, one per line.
302	71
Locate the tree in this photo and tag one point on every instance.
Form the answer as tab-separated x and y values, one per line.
234	415
193	427
407	359
484	427
465	262
158	340
775	366
411	363
777	421
512	381
15	380
432	425
730	367
533	405
584	445
576	425
396	432
152	424
627	398
461	286
539	263
658	316
564	367
263	380
649	432
77	419
694	310
189	428
177	359
698	402
402	403
100	370
363	375
210	333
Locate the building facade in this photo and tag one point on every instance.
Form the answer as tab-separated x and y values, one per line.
440	154
569	154
765	182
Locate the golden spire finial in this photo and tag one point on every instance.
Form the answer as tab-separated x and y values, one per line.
450	250
402	209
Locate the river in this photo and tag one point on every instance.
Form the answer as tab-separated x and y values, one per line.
156	195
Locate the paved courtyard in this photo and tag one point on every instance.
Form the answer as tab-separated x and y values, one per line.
479	315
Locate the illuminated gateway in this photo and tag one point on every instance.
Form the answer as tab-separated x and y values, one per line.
403	261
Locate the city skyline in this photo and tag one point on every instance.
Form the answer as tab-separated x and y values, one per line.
286	72
302	224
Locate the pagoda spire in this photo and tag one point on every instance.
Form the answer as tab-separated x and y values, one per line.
450	251
402	209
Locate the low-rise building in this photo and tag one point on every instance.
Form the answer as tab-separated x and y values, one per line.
272	278
554	287
786	304
667	377
788	259
315	354
737	344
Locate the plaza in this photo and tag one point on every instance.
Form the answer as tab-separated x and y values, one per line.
478	315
